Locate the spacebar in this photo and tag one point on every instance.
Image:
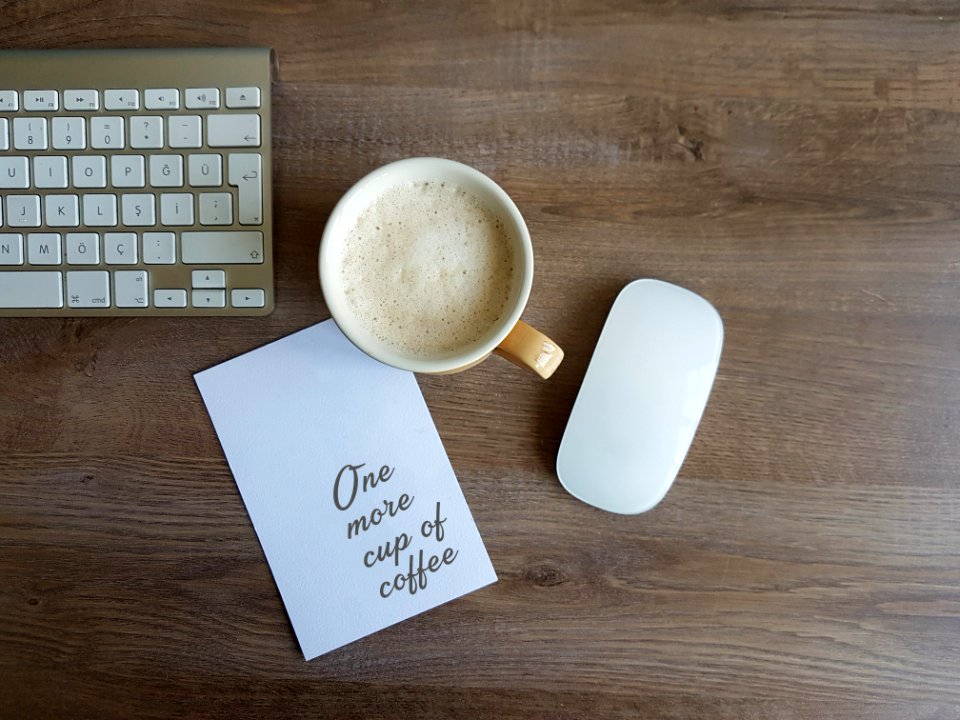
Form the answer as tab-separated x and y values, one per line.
31	289
238	246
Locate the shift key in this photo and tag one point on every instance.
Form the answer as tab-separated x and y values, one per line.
225	247
21	289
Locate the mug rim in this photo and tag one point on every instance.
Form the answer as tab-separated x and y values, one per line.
334	296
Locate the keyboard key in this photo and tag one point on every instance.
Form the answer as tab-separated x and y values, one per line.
146	131
139	210
30	133
209	278
184	131
23	210
83	249
89	171
223	247
41	100
14	173
69	133
121	99
120	248
159	248
4	134
38	289
100	210
176	209
106	133
131	288
248	297
216	209
9	101
170	298
88	288
44	249
127	171
11	249
161	99
202	98
243	97
81	99
209	298
244	173
205	170
50	171
226	130
62	210
166	170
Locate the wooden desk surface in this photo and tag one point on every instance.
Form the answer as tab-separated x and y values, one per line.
795	164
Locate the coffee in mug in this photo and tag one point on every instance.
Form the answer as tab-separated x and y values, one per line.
426	264
428	268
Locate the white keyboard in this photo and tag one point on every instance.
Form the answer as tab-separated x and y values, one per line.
135	182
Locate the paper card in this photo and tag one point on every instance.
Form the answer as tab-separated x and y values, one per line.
347	483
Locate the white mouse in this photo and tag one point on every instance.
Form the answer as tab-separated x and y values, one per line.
642	397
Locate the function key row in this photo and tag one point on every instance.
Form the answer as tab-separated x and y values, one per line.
88	100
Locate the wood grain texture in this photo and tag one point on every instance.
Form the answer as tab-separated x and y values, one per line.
795	163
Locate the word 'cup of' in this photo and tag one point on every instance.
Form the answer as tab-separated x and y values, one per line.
426	264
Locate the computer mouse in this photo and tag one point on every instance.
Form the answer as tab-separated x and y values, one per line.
642	397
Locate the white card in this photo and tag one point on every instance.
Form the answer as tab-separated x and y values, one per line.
394	536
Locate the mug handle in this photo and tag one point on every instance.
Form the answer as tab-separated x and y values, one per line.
530	348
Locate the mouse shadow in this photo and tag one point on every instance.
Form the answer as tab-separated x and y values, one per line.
581	329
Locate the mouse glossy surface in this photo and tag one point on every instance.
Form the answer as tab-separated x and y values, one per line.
642	397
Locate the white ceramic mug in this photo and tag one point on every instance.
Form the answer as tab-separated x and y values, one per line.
510	337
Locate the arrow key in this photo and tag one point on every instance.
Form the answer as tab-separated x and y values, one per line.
215	279
209	298
170	298
247	298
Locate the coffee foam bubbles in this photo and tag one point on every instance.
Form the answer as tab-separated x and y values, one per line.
428	269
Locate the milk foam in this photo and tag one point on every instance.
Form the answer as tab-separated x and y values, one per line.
428	269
